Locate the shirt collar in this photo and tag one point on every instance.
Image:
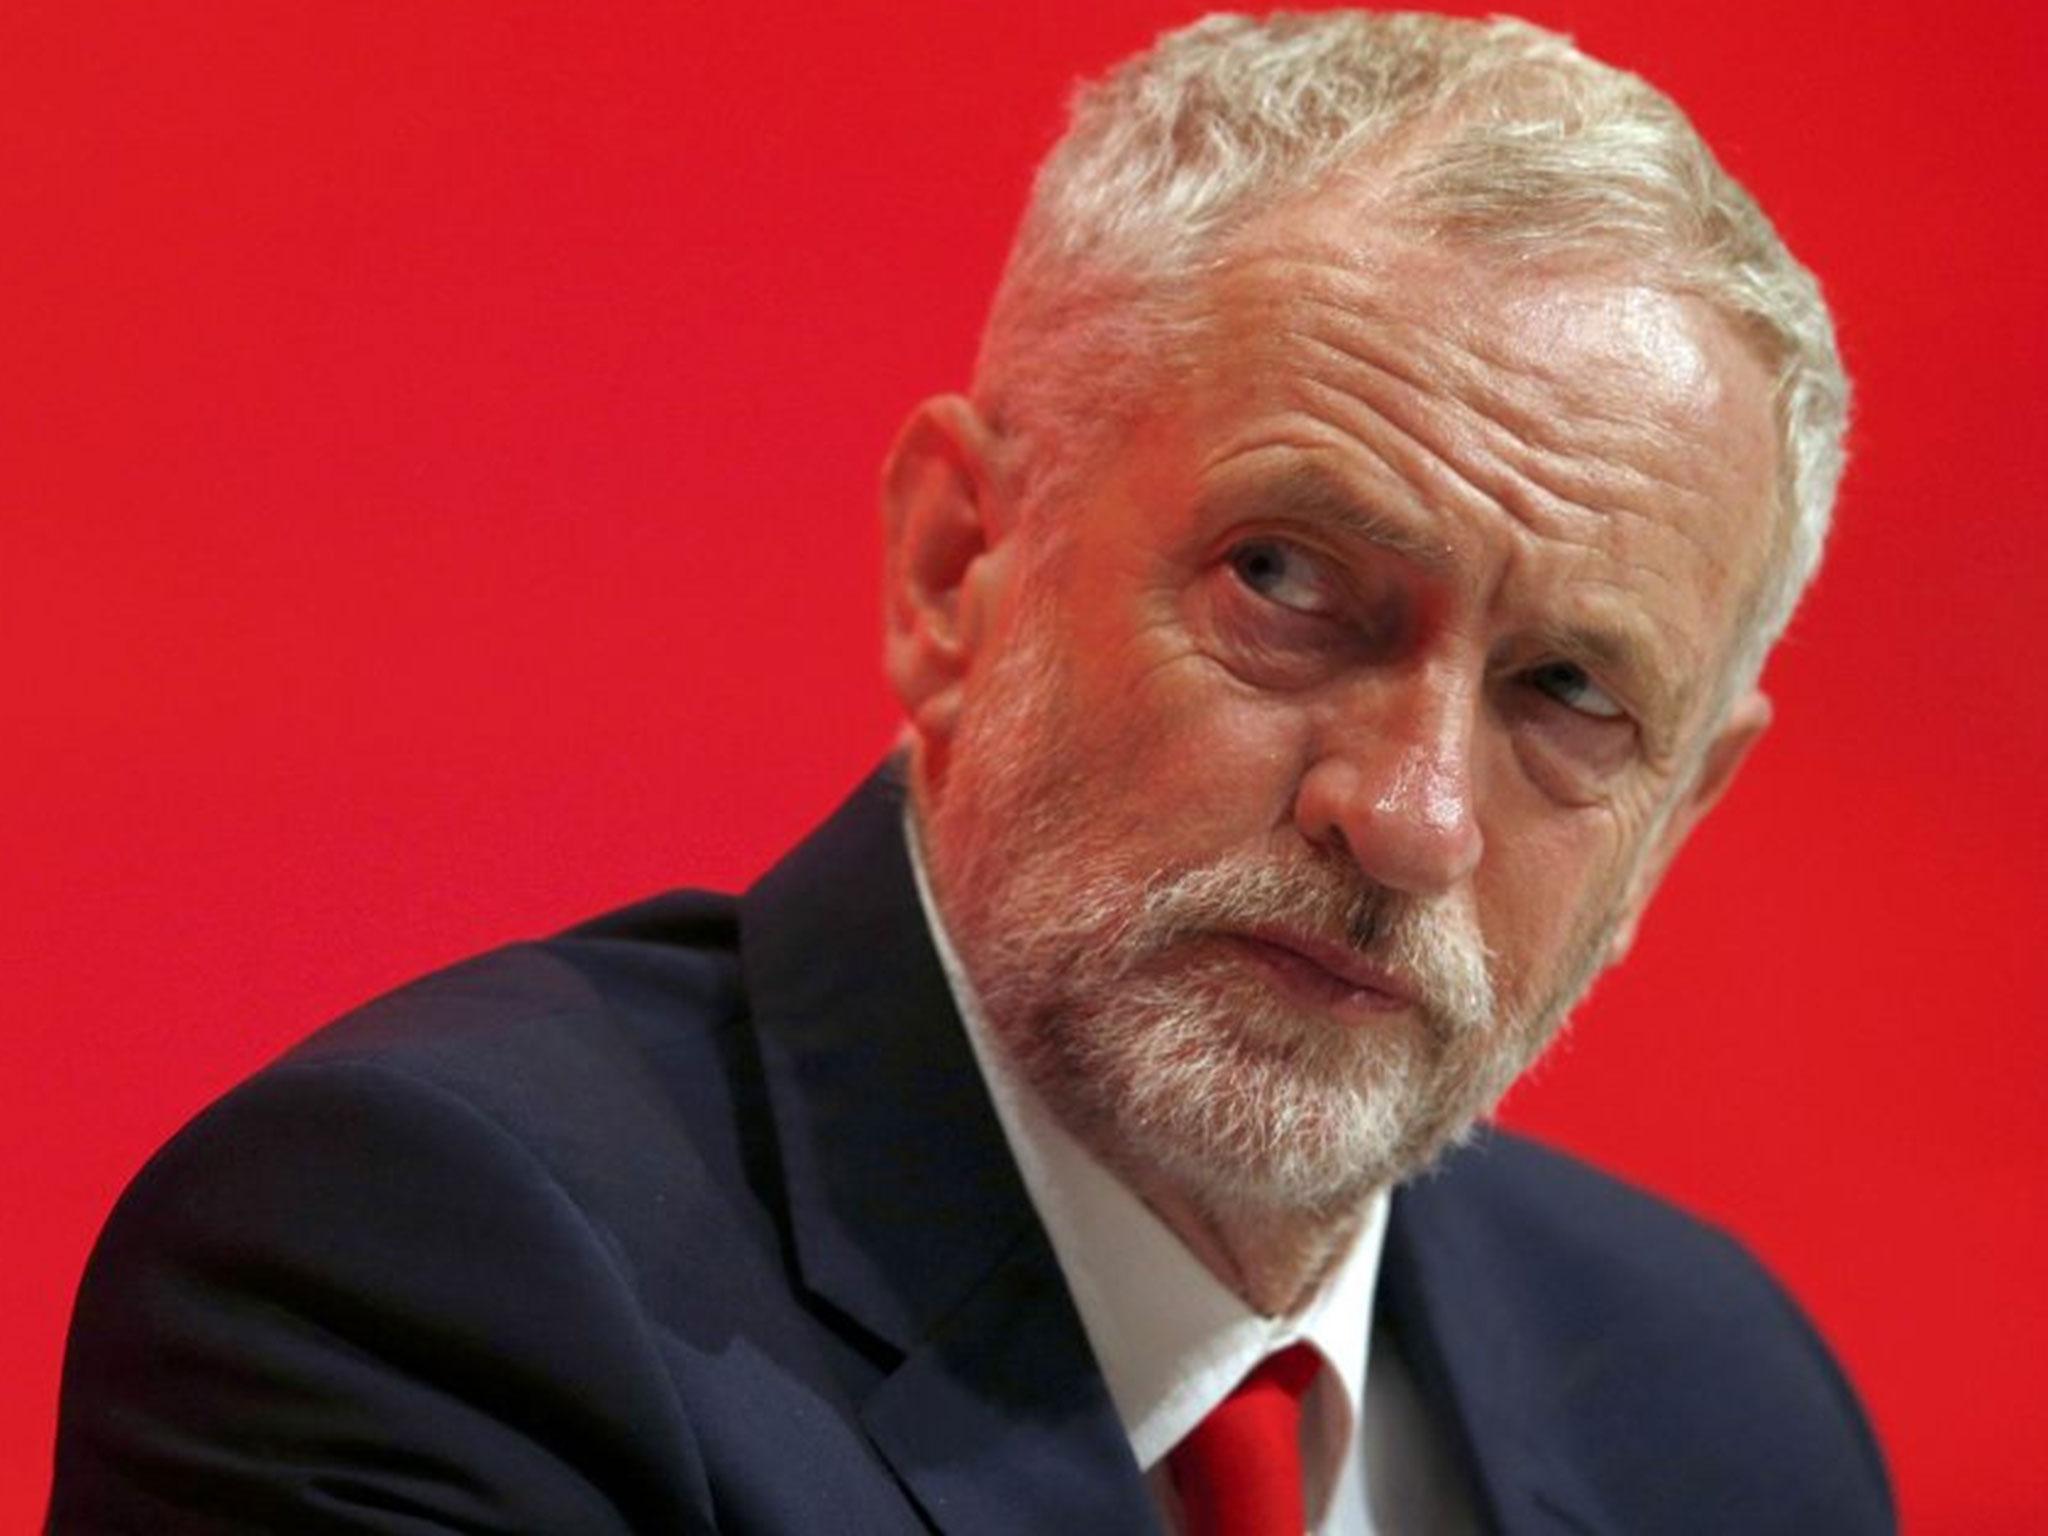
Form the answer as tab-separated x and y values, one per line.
1171	1339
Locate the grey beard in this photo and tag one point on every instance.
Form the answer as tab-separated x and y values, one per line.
1171	1060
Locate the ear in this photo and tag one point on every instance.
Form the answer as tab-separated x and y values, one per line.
946	552
1746	721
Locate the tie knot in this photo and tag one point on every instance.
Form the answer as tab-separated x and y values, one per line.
1291	1370
1239	1472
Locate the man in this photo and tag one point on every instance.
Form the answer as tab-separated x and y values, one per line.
1394	447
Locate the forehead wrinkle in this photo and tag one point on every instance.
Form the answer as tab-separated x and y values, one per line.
1437	478
1551	480
1426	470
1434	477
1560	482
1358	282
1575	456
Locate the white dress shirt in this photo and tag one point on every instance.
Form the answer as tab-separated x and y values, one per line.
1172	1340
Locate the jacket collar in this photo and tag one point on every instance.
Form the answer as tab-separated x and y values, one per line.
1440	1296
906	1211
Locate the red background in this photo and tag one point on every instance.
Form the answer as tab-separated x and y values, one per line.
437	454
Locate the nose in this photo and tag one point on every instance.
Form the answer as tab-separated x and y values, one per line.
1391	786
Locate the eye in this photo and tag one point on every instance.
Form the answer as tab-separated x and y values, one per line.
1284	573
1568	683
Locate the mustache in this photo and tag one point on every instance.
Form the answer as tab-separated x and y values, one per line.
1432	944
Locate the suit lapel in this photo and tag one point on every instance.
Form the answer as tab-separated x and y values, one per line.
1438	1296
906	1210
999	1421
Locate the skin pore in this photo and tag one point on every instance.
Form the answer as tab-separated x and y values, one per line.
1284	788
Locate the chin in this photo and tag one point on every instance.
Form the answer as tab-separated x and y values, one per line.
1238	1102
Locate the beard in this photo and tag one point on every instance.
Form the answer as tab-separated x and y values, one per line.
1120	996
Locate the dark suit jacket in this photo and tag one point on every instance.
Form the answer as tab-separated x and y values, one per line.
697	1218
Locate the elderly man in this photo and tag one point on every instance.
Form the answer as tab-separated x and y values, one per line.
1395	444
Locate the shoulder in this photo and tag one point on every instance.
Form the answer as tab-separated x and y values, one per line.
1650	1349
646	979
464	1194
1504	1192
604	1063
595	1054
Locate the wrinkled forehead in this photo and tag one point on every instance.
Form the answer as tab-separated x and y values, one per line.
1580	332
1584	321
1585	395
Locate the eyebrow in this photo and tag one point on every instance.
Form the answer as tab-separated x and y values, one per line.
1309	493
1623	649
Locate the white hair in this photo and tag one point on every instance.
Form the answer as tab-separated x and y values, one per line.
1494	133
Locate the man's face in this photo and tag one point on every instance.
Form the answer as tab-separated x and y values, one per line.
1308	760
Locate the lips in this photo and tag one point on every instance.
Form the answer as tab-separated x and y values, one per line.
1332	973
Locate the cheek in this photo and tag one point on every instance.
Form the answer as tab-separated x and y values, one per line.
1186	750
1543	886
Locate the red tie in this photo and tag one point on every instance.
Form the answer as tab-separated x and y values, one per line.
1239	1472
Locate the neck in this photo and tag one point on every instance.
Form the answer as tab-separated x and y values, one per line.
1274	1259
